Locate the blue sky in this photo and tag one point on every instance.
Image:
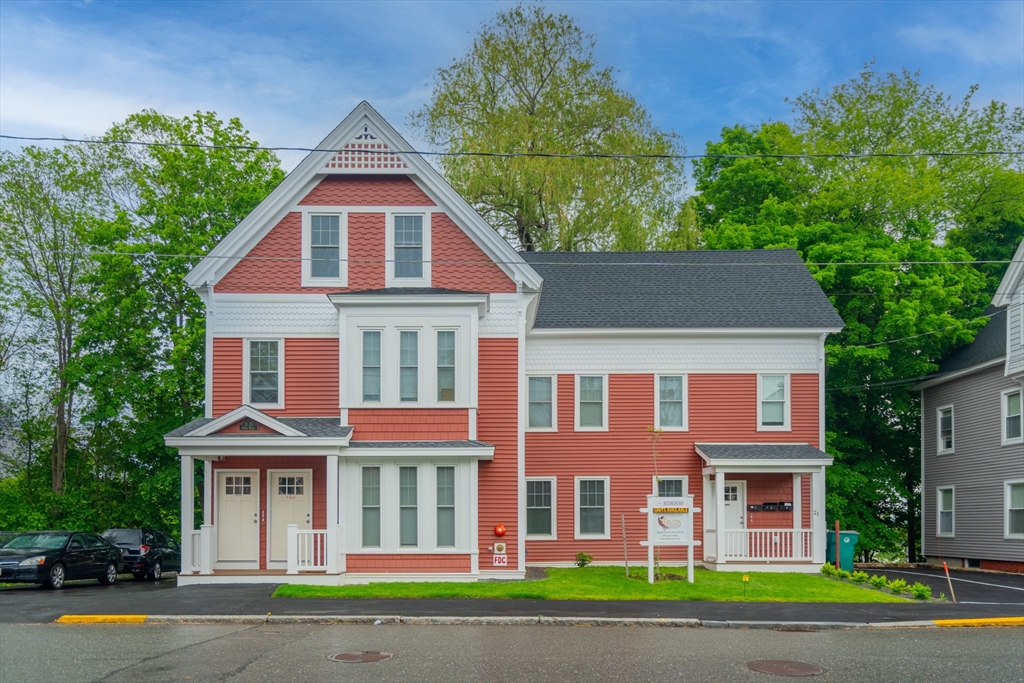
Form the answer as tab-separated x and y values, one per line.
290	71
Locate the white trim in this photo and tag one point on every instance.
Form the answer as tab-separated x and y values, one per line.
218	508
1008	285
554	403
459	453
390	280
686	402
939	450
270	509
1004	415
787	403
381	300
939	511
655	478
650	332
553	536
821	394
246	352
607	508
307	242
1006	509
576	402
942	379
521	400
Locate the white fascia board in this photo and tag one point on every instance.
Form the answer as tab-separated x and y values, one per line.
481	301
754	465
476	452
215	448
813	333
240	413
1007	286
270	298
942	379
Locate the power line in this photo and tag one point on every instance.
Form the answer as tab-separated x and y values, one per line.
518	155
923	334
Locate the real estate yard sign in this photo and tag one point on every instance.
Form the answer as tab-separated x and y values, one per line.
669	522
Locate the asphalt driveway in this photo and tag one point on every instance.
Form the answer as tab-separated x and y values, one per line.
979	588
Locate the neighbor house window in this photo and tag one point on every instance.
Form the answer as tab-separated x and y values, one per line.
445	507
264	374
408	246
592	507
371	366
371	507
540	507
945	419
541	398
944	506
1012	417
325	246
672	487
671	402
407	507
773	405
446	365
409	366
590	411
1013	500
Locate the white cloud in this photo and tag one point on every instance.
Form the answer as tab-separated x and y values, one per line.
1000	43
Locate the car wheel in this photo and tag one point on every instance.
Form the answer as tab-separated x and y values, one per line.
57	576
157	572
110	575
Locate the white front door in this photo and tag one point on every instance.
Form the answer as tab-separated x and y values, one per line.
291	502
238	516
735	504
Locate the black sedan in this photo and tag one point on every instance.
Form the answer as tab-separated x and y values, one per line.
53	557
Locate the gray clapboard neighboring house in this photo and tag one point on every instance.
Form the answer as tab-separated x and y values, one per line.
972	442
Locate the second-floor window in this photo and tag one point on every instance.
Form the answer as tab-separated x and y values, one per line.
325	246
264	374
774	410
371	366
409	247
590	413
446	365
409	370
541	408
945	419
671	402
1012	417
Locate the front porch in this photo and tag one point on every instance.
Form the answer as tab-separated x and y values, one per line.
764	507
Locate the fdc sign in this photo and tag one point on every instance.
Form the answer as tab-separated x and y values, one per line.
669	522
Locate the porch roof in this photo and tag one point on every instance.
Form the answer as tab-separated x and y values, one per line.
761	454
312	427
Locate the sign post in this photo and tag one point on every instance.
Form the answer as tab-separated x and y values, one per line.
669	523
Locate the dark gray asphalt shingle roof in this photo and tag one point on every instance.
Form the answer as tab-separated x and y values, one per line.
989	344
313	427
419	444
761	451
664	289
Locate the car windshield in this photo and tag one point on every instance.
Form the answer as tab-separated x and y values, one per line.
123	536
46	541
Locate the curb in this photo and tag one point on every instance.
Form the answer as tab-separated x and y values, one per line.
260	619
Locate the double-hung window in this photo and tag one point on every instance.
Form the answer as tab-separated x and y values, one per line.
540	508
445	365
1013	502
371	507
408	515
591	408
945	429
408	247
592	514
773	402
409	371
671	402
324	246
1013	430
944	502
542	404
446	507
264	373
371	366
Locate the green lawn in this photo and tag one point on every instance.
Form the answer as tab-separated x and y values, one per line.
610	583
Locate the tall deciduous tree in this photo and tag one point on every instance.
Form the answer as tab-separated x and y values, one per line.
530	85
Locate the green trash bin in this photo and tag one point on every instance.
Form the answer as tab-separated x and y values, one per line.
847	544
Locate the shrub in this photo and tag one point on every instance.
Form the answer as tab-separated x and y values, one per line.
842	574
921	591
828	570
583	559
897	586
859	577
878	581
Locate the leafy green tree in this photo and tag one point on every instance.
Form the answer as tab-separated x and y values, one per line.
530	84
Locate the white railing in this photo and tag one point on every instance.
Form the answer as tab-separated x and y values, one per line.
307	550
195	541
766	544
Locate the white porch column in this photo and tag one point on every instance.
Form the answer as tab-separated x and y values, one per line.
818	516
207	493
720	516
798	495
333	537
188	506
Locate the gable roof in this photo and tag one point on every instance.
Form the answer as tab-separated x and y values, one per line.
291	427
1013	275
988	345
680	289
363	120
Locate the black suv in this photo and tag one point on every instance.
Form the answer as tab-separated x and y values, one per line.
146	552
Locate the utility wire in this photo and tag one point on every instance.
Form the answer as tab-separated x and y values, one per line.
517	155
923	334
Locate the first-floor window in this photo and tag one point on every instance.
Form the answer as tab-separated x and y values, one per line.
944	506
592	502
1014	497
263	372
1011	415
671	487
371	507
446	507
539	507
407	507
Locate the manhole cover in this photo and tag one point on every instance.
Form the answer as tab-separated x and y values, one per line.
782	667
360	657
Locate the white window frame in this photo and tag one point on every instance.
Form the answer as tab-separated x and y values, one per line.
576	402
554	403
246	363
1006	509
307	249
1003	413
389	245
419	367
607	509
939	511
437	367
655	478
382	366
686	402
938	430
553	536
786	425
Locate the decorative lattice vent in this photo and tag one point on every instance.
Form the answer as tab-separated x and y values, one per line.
364	153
